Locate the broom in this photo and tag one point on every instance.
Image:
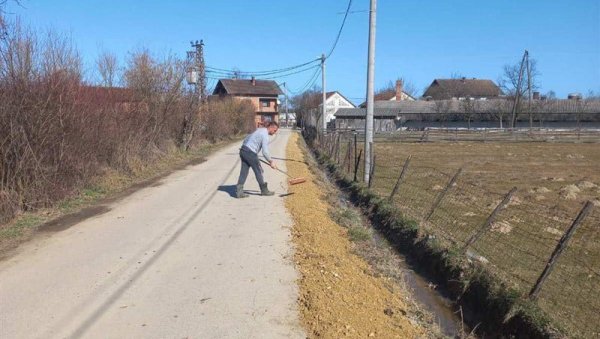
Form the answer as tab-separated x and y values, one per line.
292	181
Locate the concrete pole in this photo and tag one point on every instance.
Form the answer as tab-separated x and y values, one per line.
370	90
324	123
287	112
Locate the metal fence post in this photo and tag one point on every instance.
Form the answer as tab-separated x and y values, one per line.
439	198
400	178
349	156
562	244
356	165
490	220
372	171
337	148
331	137
355	151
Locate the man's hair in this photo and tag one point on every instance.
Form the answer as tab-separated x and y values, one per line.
272	123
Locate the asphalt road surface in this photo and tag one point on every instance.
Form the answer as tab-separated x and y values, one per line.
182	259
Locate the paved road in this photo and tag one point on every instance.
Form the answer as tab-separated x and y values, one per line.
178	260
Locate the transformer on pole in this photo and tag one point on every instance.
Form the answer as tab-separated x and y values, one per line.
196	73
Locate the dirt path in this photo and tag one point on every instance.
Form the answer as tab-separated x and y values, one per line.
338	295
182	259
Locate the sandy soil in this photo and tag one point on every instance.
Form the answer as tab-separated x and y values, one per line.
338	295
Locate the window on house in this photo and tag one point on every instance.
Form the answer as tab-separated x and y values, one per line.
265	103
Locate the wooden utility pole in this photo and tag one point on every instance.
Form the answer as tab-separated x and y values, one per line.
529	93
518	90
370	90
324	110
287	113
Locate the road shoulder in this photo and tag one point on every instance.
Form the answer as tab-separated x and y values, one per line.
339	296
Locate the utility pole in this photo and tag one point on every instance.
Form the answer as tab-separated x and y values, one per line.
324	123
195	76
198	70
518	90
370	90
287	113
529	94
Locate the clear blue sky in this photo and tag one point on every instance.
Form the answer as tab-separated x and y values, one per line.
418	40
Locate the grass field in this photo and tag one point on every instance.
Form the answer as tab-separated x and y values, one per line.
553	182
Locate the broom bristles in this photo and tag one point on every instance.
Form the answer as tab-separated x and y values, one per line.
296	181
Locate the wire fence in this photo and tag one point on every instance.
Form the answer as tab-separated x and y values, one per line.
548	253
492	135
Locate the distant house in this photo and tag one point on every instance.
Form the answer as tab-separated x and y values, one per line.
287	119
333	102
262	93
461	89
394	94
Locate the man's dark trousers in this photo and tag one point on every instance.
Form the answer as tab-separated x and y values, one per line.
250	160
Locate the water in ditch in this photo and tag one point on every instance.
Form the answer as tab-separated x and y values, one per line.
447	316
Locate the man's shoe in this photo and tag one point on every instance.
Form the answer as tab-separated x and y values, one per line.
239	192
265	191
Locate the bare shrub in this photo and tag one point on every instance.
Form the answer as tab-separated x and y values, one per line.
57	134
226	117
107	68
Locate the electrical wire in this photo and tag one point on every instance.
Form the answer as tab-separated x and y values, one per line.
337	38
277	75
311	81
286	71
259	73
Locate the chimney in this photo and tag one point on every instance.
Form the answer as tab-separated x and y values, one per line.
536	95
399	89
253	81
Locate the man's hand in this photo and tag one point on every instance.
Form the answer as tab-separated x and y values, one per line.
272	164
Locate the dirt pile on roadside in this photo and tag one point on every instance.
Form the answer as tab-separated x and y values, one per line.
338	296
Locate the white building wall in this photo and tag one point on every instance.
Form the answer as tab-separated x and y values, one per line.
333	103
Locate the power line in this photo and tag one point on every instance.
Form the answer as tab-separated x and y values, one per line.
288	74
261	73
277	75
337	38
287	71
311	81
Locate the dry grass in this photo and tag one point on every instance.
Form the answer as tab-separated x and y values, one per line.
553	182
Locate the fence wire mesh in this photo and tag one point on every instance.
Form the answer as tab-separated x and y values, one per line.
516	244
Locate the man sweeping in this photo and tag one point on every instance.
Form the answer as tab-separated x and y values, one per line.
254	143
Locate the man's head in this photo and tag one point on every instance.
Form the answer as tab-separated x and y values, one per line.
272	127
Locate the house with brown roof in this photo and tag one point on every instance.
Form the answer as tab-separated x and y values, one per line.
262	93
390	115
393	94
461	89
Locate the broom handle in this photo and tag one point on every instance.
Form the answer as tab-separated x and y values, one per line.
261	160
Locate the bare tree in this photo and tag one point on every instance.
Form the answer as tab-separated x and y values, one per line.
512	87
500	109
305	104
238	74
107	67
468	108
550	95
442	108
456	75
